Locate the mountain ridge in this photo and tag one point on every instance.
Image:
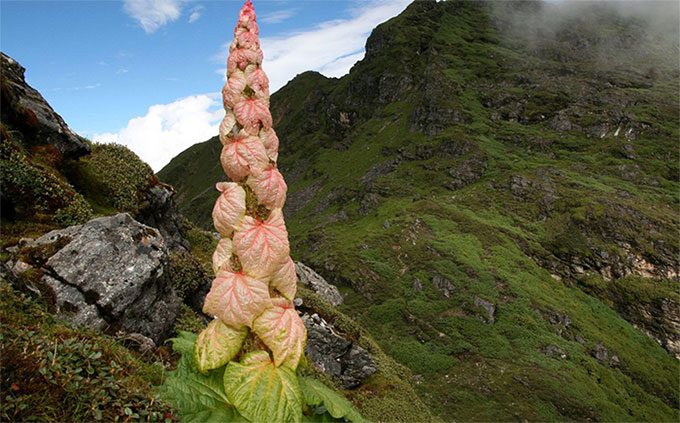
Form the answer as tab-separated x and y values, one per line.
497	210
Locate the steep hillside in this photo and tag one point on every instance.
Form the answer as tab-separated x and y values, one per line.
498	206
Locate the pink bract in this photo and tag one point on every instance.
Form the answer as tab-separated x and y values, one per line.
268	186
230	208
262	246
236	299
241	154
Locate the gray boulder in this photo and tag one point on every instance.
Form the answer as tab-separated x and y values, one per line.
318	284
109	274
335	355
158	210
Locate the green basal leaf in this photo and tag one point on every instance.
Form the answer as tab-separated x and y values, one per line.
196	397
317	394
216	345
184	342
262	392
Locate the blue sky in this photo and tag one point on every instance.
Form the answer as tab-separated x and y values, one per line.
147	73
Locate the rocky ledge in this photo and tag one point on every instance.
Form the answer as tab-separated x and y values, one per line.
334	355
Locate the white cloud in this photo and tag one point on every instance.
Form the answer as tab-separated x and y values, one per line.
196	13
331	47
153	14
341	65
168	129
277	17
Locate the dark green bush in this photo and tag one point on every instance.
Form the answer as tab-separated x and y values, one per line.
29	188
186	273
112	176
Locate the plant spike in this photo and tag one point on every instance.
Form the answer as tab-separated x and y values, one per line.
255	279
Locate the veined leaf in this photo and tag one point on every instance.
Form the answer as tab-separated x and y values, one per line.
230	208
252	112
316	393
236	298
222	255
257	80
217	344
262	392
269	186
271	143
196	397
242	154
227	127
232	92
239	58
262	246
184	343
282	330
285	279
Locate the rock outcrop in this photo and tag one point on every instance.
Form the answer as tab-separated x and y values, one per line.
159	211
659	319
335	355
108	274
26	110
318	284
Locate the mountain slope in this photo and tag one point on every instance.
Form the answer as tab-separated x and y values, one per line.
499	209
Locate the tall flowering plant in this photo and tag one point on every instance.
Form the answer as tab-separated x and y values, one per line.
251	296
248	355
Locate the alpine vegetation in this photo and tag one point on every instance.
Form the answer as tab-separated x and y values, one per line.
256	331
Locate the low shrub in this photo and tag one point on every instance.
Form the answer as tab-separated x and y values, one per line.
112	176
29	188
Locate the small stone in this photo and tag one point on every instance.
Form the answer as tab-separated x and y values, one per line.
417	285
334	355
297	302
141	343
489	307
554	351
600	352
442	285
20	267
